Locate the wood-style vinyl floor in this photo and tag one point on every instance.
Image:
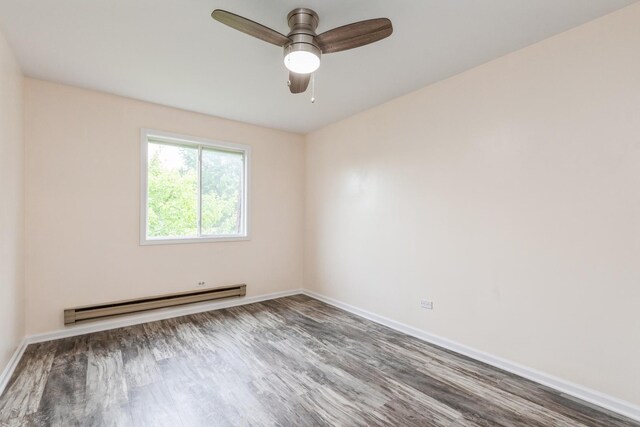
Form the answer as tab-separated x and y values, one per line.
289	362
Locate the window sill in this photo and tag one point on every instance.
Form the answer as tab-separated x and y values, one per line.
149	242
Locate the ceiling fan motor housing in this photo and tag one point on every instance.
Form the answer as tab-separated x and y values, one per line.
303	23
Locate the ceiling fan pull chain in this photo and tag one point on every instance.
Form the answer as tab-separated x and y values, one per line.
313	88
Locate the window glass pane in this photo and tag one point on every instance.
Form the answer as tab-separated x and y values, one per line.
172	194
222	198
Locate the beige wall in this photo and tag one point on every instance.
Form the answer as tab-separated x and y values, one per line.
509	195
11	205
83	201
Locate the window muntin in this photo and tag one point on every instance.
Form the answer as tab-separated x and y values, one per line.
193	190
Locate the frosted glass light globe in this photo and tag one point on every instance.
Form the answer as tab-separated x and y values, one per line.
301	62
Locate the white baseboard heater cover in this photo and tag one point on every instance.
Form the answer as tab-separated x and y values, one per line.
101	311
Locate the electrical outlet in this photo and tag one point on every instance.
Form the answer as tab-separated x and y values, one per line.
201	283
426	304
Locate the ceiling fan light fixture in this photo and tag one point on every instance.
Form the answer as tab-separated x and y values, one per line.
303	59
303	47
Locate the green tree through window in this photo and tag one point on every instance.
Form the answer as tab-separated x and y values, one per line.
177	197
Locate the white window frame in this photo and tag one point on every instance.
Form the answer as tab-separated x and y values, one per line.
171	138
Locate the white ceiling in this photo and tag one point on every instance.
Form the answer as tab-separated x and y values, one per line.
171	52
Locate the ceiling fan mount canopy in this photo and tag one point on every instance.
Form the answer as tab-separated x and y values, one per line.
303	20
303	47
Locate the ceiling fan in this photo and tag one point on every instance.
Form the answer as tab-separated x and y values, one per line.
302	46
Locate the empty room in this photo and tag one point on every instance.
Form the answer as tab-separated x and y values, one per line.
320	213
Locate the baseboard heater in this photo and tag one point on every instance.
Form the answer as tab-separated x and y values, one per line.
101	311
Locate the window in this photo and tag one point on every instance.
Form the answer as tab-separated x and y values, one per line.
192	190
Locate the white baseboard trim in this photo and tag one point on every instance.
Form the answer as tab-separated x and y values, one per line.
583	393
151	316
11	366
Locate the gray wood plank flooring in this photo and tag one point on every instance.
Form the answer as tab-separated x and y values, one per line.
293	361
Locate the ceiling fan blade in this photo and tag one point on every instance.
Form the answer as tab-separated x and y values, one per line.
250	27
298	83
354	35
